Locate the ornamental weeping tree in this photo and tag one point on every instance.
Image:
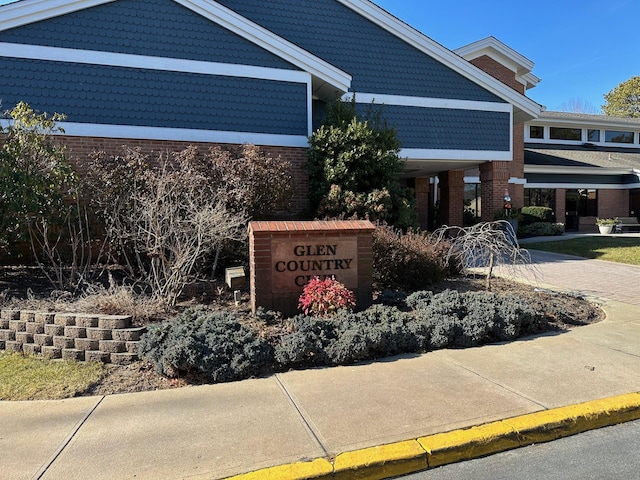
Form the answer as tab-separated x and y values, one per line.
485	245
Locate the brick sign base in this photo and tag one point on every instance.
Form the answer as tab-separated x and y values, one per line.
284	256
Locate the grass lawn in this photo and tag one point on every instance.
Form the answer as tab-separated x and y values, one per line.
33	378
610	248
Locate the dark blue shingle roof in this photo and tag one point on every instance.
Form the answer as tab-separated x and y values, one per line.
160	28
133	96
437	128
379	61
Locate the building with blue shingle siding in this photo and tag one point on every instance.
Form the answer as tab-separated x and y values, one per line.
167	73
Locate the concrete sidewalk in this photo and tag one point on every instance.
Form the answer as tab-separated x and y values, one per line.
222	430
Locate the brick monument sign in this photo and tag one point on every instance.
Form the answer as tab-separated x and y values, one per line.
284	256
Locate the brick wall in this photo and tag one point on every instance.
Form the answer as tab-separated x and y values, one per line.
561	197
498	71
493	173
613	203
79	149
422	189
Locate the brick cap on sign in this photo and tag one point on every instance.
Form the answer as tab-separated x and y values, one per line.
311	226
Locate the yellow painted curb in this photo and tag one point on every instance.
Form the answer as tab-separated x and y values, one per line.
317	469
543	426
451	447
564	421
401	458
380	462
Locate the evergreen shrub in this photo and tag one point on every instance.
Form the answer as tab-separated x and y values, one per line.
211	345
541	229
392	298
534	214
306	345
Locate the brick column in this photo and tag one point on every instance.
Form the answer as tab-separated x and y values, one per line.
516	167
452	197
494	180
422	189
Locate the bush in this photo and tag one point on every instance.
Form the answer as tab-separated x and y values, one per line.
354	168
379	331
541	229
472	318
35	177
535	214
392	298
209	345
214	346
169	218
419	300
325	297
261	185
406	261
306	345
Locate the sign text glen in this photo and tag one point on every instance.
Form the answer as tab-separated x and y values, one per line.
296	263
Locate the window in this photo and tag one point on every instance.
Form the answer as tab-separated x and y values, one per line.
540	197
561	133
614	136
593	135
536	131
587	202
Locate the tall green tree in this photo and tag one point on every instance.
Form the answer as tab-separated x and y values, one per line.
624	100
34	175
354	168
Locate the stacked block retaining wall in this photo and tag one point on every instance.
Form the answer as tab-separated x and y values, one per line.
70	336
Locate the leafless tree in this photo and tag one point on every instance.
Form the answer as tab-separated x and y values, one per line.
578	105
485	245
179	222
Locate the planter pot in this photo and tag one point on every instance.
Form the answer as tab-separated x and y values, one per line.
606	229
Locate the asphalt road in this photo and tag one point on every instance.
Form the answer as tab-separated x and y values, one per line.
608	453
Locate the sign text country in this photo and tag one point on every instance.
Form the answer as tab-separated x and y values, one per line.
294	263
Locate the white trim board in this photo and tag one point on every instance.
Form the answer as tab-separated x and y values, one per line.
512	180
25	12
593	186
90	57
426	102
177	134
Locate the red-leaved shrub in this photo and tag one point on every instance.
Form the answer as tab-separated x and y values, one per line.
324	297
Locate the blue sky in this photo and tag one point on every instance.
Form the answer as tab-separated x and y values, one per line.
581	48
